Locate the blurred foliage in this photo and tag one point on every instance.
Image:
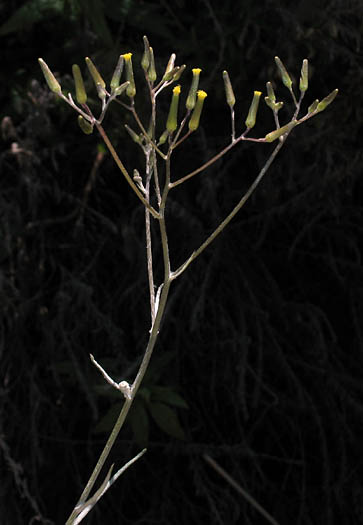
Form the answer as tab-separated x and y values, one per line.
153	399
265	329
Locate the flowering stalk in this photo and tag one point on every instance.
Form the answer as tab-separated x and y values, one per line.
157	152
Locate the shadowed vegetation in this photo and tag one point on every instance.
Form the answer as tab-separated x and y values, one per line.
262	338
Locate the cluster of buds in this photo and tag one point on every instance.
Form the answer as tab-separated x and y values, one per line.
86	120
194	101
275	106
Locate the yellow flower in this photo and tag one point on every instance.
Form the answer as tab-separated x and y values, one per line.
194	119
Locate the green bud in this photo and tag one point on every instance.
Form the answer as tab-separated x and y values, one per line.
313	106
172	121
304	77
97	79
85	125
195	118
101	92
152	70
192	95
270	92
115	81
231	100
327	100
163	138
179	73
121	88
81	94
145	61
270	137
168	75
135	137
52	82
284	74
131	88
251	117
275	106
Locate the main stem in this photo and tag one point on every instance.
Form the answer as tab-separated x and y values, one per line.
128	402
147	355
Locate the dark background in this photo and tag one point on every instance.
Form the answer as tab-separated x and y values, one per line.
263	335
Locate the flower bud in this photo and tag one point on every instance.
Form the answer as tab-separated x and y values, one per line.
121	88
284	74
275	106
231	100
101	92
81	94
131	88
145	61
172	122
115	81
270	92
313	106
163	137
135	137
327	100
251	117
190	103
270	137
179	73
152	70
85	125
168	75
304	77
194	119
52	82
97	79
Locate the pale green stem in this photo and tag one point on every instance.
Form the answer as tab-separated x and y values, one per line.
149	253
240	490
147	355
230	216
124	171
146	136
213	159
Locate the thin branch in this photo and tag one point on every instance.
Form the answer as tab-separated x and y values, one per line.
205	165
215	158
229	217
233	126
145	134
109	379
84	509
149	253
239	489
124	171
143	366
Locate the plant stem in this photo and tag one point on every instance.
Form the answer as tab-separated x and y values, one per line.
230	216
239	489
124	171
149	253
147	355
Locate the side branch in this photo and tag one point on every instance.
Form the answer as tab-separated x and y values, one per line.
214	159
124	171
229	217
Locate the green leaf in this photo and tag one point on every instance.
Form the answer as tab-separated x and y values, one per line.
168	396
167	419
139	421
